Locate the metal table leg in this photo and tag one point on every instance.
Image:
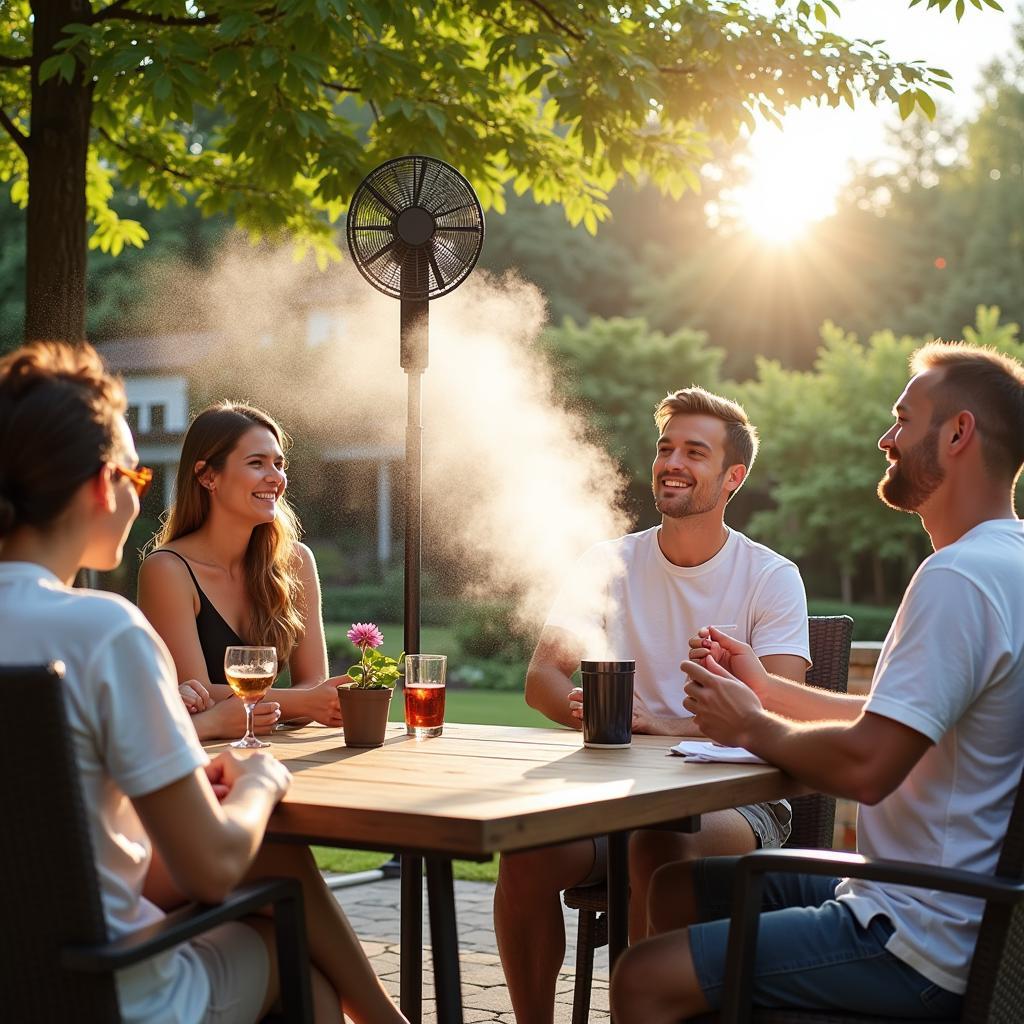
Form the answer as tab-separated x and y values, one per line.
444	940
411	967
618	895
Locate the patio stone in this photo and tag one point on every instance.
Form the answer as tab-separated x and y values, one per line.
373	910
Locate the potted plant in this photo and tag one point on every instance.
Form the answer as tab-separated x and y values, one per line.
366	699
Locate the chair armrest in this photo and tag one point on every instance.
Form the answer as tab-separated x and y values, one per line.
897	872
177	927
749	885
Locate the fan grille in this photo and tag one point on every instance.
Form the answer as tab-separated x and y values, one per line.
389	262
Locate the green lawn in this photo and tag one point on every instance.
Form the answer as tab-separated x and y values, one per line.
433	639
476	707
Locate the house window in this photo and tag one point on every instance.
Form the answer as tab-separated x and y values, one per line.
132	416
157	416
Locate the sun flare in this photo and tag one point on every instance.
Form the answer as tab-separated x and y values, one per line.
794	176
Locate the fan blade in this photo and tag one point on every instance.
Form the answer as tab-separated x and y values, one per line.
380	199
419	183
380	252
400	185
437	271
455	209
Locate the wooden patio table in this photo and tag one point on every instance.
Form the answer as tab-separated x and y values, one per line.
480	790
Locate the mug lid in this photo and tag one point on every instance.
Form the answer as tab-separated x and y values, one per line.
607	666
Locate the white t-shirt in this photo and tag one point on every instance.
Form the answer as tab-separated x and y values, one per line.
131	737
951	668
625	599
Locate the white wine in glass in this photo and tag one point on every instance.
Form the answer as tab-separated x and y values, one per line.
250	672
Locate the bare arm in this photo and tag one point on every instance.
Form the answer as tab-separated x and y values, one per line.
209	858
863	760
549	676
789	666
169	600
772	679
308	662
167	597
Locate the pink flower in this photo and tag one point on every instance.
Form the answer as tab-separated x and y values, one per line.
365	634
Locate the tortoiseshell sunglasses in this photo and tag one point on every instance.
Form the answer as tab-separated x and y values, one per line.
141	478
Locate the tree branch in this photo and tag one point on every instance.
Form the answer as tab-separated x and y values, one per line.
117	11
15	62
339	87
155	164
20	138
567	29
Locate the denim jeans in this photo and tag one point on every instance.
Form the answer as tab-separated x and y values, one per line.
811	951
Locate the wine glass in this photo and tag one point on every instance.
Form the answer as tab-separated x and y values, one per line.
250	672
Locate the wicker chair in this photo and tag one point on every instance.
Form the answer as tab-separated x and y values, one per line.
56	962
813	816
995	985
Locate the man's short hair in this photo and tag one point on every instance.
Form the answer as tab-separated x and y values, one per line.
741	440
987	383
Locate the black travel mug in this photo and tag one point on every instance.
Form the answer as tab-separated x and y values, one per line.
607	702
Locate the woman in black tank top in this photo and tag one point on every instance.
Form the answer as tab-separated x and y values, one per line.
228	568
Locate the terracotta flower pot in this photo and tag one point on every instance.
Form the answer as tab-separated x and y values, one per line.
364	714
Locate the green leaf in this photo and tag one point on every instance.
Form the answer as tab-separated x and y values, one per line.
62	64
926	103
906	103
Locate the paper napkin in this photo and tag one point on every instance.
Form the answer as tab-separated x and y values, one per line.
706	751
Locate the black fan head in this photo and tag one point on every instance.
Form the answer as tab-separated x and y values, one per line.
415	228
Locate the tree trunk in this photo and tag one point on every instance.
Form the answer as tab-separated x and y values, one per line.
57	150
846	585
878	577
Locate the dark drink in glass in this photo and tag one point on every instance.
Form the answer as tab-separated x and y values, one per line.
424	710
424	694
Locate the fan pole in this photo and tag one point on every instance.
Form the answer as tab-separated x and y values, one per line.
414	335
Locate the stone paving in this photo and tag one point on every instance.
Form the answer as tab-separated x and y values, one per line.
373	911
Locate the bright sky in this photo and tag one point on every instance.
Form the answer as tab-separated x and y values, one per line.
796	173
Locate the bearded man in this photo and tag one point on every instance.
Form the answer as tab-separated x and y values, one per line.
933	754
641	597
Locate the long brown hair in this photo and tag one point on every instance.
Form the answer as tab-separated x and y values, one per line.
58	414
270	563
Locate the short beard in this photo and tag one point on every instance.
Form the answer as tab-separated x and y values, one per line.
691	507
915	476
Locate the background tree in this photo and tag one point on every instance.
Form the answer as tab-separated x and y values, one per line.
555	97
819	464
616	371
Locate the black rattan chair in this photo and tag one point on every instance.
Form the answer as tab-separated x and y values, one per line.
56	962
813	816
995	985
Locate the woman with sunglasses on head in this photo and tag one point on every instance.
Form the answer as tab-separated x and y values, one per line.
227	568
69	492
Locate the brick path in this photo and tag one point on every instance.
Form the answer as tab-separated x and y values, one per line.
373	911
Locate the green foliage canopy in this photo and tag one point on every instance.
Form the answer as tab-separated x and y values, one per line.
616	371
819	462
558	97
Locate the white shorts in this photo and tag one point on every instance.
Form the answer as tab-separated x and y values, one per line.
236	962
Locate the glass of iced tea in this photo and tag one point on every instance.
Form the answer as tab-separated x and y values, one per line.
250	672
424	694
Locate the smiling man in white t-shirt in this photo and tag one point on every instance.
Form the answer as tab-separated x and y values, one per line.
641	597
933	753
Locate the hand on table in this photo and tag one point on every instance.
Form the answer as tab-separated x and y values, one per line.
643	720
215	774
724	708
228	768
320	702
226	719
576	707
195	696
